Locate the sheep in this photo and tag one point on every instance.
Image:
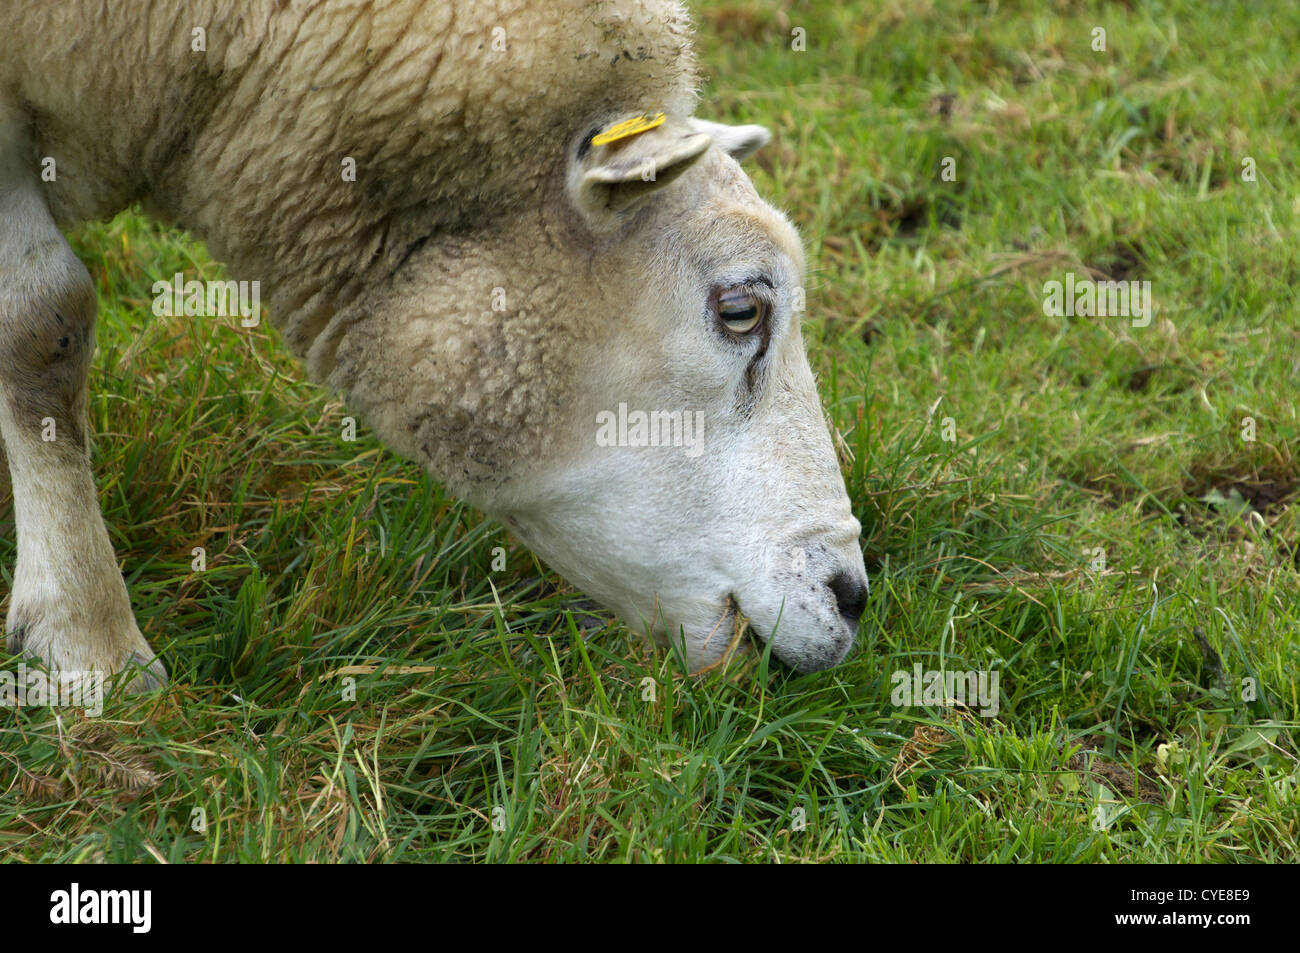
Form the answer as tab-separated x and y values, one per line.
489	226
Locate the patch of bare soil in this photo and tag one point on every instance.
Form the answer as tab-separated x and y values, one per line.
1119	778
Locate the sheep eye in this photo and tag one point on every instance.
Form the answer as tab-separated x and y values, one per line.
741	311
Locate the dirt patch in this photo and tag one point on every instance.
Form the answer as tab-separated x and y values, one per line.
1121	779
1267	492
1138	379
1265	497
737	22
902	217
1119	261
941	105
1243	512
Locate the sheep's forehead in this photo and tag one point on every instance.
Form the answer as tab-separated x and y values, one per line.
750	234
718	220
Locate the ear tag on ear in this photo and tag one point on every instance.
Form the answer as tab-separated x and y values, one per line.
627	129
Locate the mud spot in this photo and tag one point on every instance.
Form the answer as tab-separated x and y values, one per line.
1138	379
900	217
1120	261
1121	779
1265	497
743	23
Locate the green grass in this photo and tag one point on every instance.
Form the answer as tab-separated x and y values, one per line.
353	681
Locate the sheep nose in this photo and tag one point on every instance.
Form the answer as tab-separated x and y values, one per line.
850	596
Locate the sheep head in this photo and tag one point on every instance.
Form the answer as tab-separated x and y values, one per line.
618	375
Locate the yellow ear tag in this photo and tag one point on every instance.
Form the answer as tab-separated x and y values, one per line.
627	129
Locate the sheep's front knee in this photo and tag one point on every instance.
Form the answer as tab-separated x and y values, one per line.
69	606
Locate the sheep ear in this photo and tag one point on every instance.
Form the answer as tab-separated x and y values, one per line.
607	181
739	142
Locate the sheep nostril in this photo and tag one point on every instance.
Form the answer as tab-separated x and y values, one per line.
850	595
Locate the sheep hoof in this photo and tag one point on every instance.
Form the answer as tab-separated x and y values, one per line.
70	656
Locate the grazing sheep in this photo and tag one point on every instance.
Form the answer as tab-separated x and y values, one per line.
593	338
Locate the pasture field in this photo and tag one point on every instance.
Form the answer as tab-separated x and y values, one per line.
1102	513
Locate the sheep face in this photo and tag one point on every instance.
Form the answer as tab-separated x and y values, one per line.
627	390
702	482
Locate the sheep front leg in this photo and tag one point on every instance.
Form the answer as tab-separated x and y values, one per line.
69	605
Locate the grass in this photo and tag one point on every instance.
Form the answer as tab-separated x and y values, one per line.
358	678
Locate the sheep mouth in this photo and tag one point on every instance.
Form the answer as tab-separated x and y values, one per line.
734	630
